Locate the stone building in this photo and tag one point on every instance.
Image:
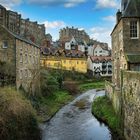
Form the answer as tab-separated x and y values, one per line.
13	21
3	20
24	56
126	40
10	20
22	27
32	31
46	42
67	33
124	89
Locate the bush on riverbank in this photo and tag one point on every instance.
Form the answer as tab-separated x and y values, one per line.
17	117
103	110
50	105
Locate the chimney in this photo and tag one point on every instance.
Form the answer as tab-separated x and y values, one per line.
118	16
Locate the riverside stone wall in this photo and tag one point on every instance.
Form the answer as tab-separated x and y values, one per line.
114	95
131	105
126	102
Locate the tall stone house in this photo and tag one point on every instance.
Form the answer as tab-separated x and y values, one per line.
10	19
23	56
126	40
22	27
32	31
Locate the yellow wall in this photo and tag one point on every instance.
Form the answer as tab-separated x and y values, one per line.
77	64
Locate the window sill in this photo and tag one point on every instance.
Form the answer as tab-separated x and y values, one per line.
134	38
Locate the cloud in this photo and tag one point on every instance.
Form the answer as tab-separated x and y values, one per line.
65	3
102	34
53	27
10	3
54	24
106	4
110	18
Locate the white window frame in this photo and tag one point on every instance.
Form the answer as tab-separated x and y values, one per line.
132	30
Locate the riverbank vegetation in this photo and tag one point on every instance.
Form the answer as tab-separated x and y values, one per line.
103	110
21	113
60	87
17	116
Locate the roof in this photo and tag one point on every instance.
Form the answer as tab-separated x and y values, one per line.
131	8
2	6
133	58
103	46
19	37
100	58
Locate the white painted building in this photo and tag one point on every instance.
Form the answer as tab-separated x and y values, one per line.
101	50
71	44
91	50
100	65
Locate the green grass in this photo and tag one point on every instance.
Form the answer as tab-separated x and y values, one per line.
51	104
103	110
91	85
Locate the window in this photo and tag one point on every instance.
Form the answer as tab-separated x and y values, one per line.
20	74
26	73
5	44
134	29
26	58
21	58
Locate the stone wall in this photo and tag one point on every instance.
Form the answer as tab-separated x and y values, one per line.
131	105
126	102
114	95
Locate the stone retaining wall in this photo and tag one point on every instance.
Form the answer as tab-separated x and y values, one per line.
126	102
131	105
114	95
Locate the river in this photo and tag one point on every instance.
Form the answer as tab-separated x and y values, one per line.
75	121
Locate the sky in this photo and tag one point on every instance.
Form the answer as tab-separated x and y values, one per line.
96	17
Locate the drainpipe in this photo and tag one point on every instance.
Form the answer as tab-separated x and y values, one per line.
122	107
15	61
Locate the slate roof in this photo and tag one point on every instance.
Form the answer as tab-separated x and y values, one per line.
132	8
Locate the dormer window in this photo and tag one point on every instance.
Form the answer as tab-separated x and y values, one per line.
134	29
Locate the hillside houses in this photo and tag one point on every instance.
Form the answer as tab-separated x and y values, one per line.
99	60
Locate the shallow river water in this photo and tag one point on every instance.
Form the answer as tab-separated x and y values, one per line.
75	123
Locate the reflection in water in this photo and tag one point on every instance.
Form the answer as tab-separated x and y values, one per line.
75	121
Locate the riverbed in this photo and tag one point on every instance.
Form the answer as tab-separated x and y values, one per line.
76	122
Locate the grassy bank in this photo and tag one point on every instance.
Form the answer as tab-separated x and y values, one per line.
103	110
48	106
91	85
17	117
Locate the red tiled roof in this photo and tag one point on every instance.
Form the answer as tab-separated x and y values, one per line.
100	58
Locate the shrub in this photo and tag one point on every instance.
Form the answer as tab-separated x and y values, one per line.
71	87
49	83
17	117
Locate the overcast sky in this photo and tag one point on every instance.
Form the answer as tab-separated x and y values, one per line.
97	17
